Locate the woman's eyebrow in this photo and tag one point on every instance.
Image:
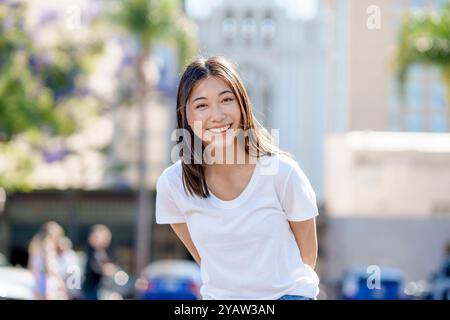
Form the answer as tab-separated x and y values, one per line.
197	99
223	92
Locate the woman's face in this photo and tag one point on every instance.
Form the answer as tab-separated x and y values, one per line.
213	112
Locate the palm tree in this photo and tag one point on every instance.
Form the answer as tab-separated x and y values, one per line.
425	39
150	22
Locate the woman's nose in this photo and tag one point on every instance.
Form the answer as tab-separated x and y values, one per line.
217	113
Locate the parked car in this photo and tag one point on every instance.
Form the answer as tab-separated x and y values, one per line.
169	280
16	284
357	284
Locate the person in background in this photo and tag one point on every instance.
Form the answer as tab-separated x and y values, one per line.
98	263
43	263
69	266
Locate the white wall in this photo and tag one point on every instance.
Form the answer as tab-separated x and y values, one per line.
384	174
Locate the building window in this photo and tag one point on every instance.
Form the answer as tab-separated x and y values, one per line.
268	28
439	4
414	122
424	107
438	110
229	27
418	5
415	99
439	99
248	28
438	123
414	95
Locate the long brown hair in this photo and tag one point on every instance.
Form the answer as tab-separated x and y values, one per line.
257	143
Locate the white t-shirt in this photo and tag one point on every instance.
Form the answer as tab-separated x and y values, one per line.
247	248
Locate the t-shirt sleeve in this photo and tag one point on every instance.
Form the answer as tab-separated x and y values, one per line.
298	198
167	210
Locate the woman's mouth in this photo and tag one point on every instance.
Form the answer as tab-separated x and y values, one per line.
220	130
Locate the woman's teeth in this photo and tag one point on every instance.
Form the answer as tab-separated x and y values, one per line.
220	130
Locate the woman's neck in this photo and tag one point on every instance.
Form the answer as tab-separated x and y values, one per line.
228	162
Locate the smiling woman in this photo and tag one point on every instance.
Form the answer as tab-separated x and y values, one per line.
212	96
251	224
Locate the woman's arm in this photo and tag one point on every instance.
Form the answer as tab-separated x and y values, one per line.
306	237
182	232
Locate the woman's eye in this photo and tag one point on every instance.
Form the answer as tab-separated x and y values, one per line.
227	99
200	106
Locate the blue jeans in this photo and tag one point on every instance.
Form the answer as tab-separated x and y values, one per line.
293	297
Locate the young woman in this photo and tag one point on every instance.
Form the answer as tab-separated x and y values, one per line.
243	208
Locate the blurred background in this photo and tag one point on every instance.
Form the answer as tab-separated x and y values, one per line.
359	91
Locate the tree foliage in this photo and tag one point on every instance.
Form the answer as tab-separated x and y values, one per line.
425	39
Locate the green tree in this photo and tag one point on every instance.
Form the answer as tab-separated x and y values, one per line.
425	39
26	100
150	22
39	87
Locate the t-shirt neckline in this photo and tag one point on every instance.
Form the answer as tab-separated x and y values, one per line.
242	197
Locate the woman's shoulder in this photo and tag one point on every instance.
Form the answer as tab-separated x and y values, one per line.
278	164
172	174
283	168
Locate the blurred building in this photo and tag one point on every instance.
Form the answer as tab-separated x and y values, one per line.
278	47
363	95
387	202
388	174
386	188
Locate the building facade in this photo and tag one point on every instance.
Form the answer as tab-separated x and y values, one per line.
387	159
363	92
387	202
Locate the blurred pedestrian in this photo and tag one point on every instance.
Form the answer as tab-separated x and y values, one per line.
98	263
43	263
69	267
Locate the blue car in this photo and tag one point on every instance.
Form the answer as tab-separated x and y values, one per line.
358	284
169	280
